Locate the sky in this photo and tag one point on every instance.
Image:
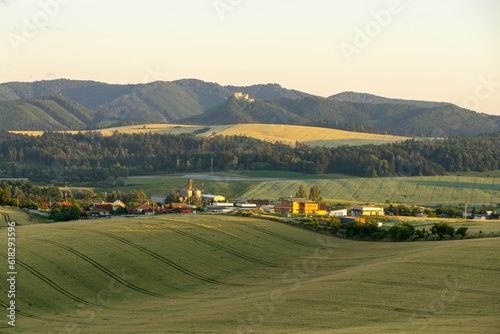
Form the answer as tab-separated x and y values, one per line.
434	50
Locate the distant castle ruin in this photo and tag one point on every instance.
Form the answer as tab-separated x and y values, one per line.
244	97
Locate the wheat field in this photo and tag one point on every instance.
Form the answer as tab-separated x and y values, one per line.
314	136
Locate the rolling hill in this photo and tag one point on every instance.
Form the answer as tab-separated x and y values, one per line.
216	274
196	101
374	99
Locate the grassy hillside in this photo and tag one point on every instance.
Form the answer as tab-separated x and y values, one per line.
432	190
215	274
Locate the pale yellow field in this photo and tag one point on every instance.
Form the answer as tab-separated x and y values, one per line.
289	134
313	136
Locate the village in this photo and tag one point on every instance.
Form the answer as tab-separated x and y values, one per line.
192	200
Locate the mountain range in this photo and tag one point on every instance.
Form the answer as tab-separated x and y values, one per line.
78	105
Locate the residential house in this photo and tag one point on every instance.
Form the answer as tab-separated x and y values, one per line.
144	208
61	204
338	212
367	211
105	208
100	209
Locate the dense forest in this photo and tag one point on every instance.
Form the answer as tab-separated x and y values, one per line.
90	158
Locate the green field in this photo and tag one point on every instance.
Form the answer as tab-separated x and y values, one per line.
432	190
219	274
426	190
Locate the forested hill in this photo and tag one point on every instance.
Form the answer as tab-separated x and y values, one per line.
44	113
73	105
373	99
91	159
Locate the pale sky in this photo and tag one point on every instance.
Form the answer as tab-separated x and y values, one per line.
439	50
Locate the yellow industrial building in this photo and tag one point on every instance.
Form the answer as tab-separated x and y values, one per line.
298	205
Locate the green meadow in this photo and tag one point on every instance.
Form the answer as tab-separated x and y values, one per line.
474	189
432	190
221	274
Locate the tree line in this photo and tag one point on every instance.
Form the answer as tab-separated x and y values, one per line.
26	194
89	158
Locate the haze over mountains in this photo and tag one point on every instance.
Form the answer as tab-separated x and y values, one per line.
73	105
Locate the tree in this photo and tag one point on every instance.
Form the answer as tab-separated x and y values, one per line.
302	192
30	204
173	197
443	229
315	193
53	193
73	212
401	231
462	231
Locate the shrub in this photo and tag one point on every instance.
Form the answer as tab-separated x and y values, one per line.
357	230
334	223
462	231
402	231
432	237
443	229
421	234
380	235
